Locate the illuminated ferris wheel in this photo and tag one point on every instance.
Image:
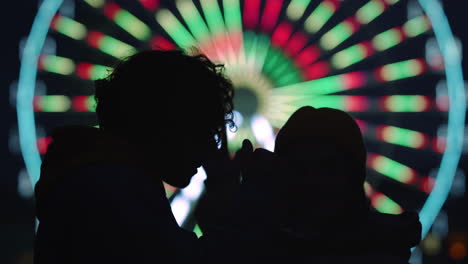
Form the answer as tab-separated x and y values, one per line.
392	64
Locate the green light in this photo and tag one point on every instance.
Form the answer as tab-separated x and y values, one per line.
96	3
263	45
132	25
387	39
193	19
213	16
392	169
296	9
319	17
99	72
416	26
115	47
233	16
327	85
175	29
406	103
280	68
370	11
401	136
53	103
70	28
401	70
197	231
56	64
386	205
91	104
336	35
331	101
348	56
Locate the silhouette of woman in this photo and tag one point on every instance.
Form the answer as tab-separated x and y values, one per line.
326	206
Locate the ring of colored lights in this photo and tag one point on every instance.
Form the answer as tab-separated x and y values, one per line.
445	39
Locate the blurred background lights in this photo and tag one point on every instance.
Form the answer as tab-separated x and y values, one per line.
388	63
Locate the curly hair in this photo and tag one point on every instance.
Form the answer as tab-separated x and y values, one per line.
166	86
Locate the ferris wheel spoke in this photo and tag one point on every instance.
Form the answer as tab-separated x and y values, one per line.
352	80
364	15
320	15
380	43
68	67
381	202
124	19
104	43
398	172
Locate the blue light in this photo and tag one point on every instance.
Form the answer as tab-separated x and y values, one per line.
456	115
26	85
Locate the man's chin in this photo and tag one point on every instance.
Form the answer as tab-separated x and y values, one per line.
180	182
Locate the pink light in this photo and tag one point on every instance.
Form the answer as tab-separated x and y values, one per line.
362	125
37	104
307	56
357	103
43	143
40	62
53	23
251	13
317	70
296	43
439	144
83	70
335	3
426	184
354	80
94	38
367	45
281	34
110	10
80	103
270	14
151	5
353	23
161	43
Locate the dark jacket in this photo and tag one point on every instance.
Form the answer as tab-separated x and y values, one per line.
100	201
381	238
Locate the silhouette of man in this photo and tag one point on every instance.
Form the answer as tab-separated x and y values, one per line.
100	197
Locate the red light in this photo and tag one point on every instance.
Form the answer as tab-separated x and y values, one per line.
426	184
335	3
307	56
110	10
37	104
40	62
80	103
43	144
362	125
317	70
296	43
354	80
368	48
94	38
357	103
53	23
353	23
270	14
83	70
281	34
160	43
151	5
251	12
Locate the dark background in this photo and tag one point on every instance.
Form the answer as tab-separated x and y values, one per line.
16	212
